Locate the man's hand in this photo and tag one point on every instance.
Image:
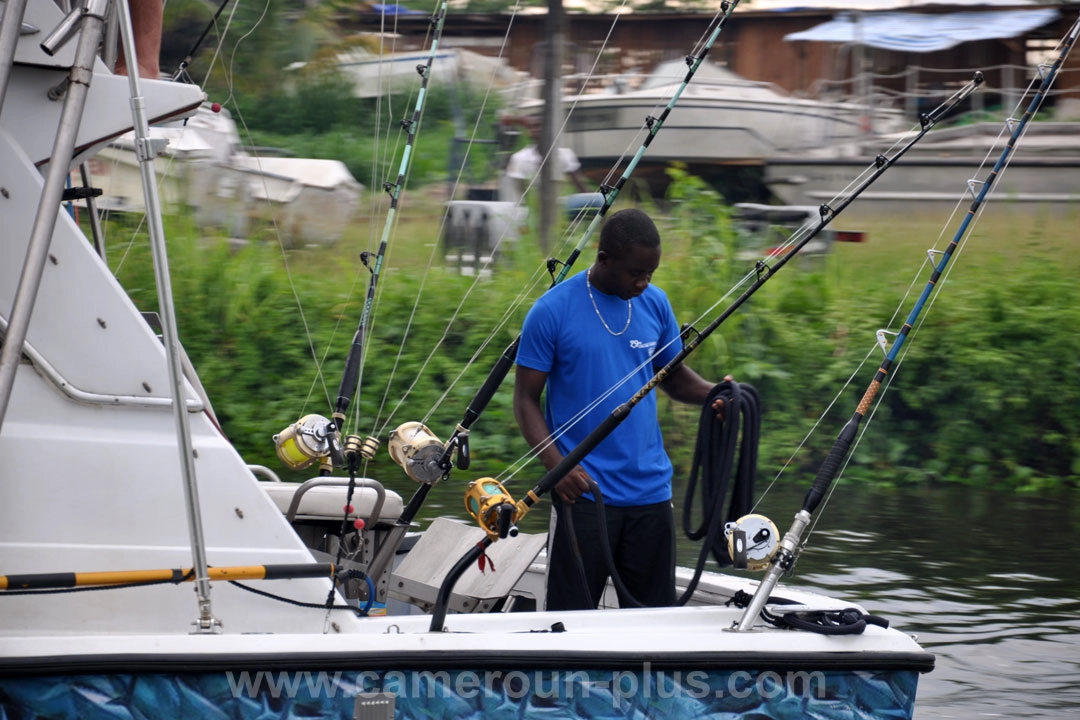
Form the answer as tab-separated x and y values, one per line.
571	487
718	403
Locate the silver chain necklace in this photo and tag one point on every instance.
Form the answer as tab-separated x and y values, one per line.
629	308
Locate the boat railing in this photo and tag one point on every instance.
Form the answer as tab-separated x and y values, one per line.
916	86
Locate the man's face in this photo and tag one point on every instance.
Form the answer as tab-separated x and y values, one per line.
628	276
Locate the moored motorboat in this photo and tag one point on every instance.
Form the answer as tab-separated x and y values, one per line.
723	118
1045	175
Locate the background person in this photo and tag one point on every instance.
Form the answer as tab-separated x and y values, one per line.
524	165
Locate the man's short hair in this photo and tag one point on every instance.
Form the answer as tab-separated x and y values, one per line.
628	228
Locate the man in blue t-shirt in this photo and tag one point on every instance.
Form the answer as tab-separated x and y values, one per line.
592	341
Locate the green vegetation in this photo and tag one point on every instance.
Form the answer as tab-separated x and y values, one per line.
987	392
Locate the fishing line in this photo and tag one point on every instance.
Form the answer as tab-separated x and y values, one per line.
840	452
521	297
693	338
350	385
379	167
458	441
653	124
432	39
376	202
565	117
522	461
222	34
273	216
430	263
181	70
944	278
697	55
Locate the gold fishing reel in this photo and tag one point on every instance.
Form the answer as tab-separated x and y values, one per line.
493	508
306	441
418	452
356	446
752	542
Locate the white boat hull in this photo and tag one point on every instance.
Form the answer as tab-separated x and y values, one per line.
528	665
936	172
707	126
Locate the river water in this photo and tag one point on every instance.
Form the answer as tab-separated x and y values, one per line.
985	580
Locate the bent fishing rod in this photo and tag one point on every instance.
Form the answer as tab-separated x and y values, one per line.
432	463
492	506
784	558
314	438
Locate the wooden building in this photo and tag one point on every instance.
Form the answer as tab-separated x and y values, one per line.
752	44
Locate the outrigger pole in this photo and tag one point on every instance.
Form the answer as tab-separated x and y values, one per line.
785	556
497	513
459	440
354	447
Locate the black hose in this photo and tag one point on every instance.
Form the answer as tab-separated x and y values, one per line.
714	460
849	621
565	515
715	453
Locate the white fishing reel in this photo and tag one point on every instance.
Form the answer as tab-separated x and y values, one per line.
306	441
418	452
752	542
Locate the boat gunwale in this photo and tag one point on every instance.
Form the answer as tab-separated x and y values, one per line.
475	659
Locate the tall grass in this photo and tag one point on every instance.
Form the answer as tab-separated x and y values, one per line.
988	392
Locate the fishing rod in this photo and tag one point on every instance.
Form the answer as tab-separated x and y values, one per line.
63	580
784	558
492	506
692	338
313	437
182	68
428	460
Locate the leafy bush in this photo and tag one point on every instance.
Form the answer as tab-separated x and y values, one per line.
986	393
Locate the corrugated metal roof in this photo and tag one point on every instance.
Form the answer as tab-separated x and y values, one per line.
916	32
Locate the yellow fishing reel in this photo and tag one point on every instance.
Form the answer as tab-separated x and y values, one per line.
752	542
306	441
418	452
484	500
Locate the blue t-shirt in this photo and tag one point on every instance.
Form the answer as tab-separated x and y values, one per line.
563	337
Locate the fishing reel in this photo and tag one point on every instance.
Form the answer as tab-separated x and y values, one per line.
752	542
493	508
308	440
418	452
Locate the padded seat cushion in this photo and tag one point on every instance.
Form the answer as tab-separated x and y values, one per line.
327	502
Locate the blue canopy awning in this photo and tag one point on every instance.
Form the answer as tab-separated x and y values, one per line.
394	9
921	33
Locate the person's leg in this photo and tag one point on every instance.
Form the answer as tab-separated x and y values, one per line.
567	587
645	554
146	18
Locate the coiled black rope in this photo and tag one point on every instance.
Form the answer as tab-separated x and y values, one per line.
718	443
714	459
847	621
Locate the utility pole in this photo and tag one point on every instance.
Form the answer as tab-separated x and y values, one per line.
550	171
